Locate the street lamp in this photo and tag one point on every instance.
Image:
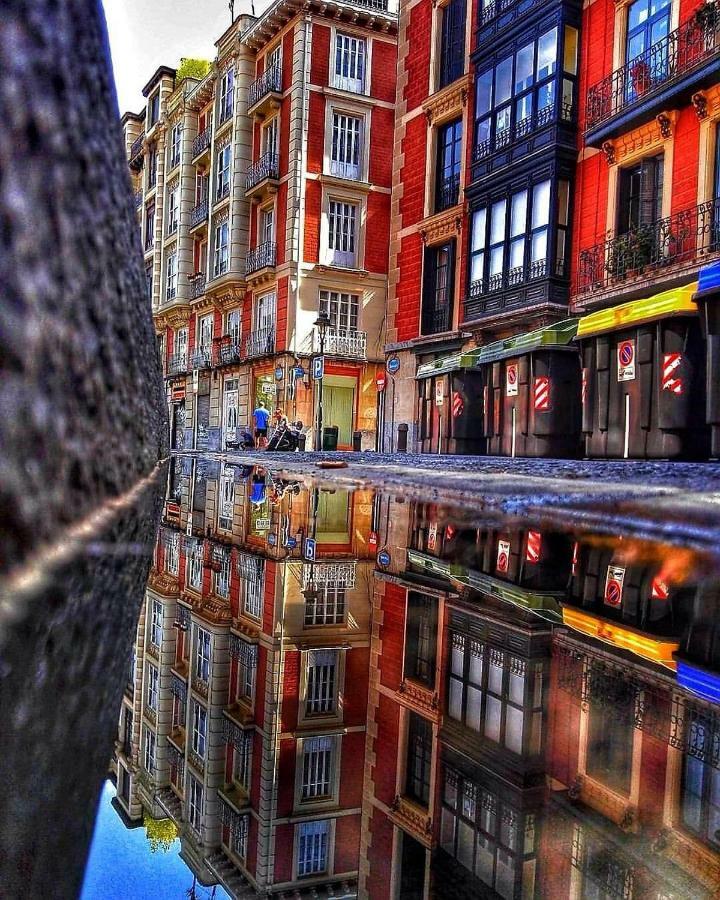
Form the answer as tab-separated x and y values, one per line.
321	323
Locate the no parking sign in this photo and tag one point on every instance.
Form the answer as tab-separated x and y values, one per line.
503	557
626	361
614	586
511	375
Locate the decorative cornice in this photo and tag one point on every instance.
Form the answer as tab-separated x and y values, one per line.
163	583
699	101
442	226
419	698
412	818
449	102
647	137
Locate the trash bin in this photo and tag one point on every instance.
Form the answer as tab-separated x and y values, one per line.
357	441
532	393
402	439
450	393
302	441
708	302
643	379
330	437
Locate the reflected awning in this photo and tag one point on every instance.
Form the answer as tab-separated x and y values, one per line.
676	302
545	605
657	649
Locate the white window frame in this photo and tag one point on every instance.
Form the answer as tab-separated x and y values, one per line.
226	503
206	328
222	578
195	803
346	144
155	635
266	224
180	346
247	672
233	326
322	684
175	144
265	311
343	232
318	761
313	848
200	729
173	209
222	248
226	94
342	307
149	749
222	172
270	136
171	275
242	762
151	688
203	654
354	62
172	554
194	575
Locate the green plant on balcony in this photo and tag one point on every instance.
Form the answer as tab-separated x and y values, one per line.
631	251
640	77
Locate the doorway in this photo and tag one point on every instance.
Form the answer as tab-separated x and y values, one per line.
339	407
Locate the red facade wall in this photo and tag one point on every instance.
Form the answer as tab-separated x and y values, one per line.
316	133
377	232
353	760
417	62
357	667
291	689
407	318
382	126
392	635
280	221
347	843
381	858
286	778
284	843
313	201
412	174
288	42
320	61
281	314
383	78
387	721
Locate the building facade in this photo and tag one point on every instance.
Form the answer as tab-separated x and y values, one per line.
263	191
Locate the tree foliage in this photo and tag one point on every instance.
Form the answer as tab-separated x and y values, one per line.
192	68
160	833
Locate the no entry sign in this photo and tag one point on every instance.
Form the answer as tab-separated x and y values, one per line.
511	380
503	557
614	585
626	361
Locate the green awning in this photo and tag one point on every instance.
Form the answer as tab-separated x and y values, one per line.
545	605
559	335
431	565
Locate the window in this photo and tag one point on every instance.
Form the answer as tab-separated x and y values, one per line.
171	275
317	777
640	195
518	95
438	288
172	553
611	727
202	655
222	248
247	667
325	605
251	572
222	181
264	313
349	72
233	326
269	137
222	577
510	242
152	167
488	837
175	144
345	150
195	802
156	623
342	309
342	234
172	209
648	23
452	42
180	351
321	682
225	510
449	153
242	761
418	760
149	279
199	735
205	333
227	83
313	839
149	758
421	638
700	793
267	225
151	697
150	227
153	109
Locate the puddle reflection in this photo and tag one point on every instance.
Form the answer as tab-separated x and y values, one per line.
340	694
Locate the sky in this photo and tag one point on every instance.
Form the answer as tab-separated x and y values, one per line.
145	34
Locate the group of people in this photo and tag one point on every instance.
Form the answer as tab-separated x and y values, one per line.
261	420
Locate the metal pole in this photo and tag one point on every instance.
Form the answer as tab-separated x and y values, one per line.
320	390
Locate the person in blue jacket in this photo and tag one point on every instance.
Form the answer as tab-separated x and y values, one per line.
261	417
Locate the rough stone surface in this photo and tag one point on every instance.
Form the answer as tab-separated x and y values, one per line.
80	387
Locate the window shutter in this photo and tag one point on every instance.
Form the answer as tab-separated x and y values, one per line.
651	190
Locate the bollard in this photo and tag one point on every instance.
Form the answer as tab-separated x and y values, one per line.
357	441
302	439
402	438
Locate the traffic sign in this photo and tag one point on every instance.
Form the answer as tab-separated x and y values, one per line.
503	557
614	585
383	559
380	380
626	361
318	367
439	392
279	373
393	365
511	375
309	549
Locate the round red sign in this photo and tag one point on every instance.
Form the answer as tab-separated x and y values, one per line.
626	353
512	374
502	562
613	593
380	381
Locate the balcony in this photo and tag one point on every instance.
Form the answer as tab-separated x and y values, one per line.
344	342
436	320
262	176
261	257
682	62
448	193
202	358
197	285
265	92
226	350
669	247
177	364
199	214
136	152
260	342
514	289
341	574
201	144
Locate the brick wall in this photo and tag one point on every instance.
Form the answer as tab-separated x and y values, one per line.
281	314
347	843
316	132
383	76
320	56
313	198
418	60
377	231
407	318
382	125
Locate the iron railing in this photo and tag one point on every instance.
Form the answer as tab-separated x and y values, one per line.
437	319
493	9
177	364
227	350
136	147
268	83
379	5
668	60
197	285
487	296
260	342
202	358
448	192
266	167
538	119
202	142
684	237
138	199
260	256
345	342
199	213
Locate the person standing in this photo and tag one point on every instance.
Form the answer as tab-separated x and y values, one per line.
261	417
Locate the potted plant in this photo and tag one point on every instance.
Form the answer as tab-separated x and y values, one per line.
639	76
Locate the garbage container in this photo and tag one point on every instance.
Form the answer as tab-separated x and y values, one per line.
532	393
330	437
643	379
450	395
708	302
357	441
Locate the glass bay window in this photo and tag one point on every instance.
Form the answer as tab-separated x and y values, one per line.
526	90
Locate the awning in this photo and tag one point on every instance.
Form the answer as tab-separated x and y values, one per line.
447	364
709	279
545	605
656	649
677	302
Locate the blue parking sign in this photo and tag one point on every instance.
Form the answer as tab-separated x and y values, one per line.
309	550
318	368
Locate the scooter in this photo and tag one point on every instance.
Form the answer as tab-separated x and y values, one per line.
286	437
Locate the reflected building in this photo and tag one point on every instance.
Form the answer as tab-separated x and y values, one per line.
245	711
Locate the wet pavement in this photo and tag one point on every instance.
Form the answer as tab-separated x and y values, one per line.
414	677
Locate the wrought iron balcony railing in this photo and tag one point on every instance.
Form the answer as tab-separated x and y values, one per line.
494	8
261	256
227	350
378	5
269	82
202	142
436	320
266	167
138	199
260	342
346	343
137	145
448	192
177	364
197	285
199	213
202	358
666	61
684	237
521	129
341	574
